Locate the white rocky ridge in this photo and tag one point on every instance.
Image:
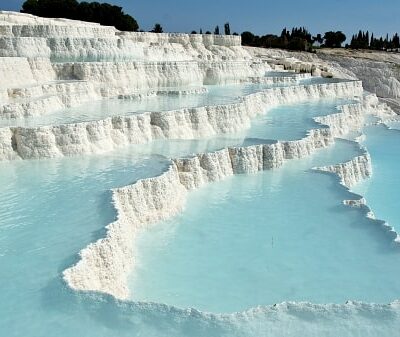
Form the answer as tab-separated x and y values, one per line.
379	71
294	78
44	98
165	92
42	60
105	79
351	172
105	135
50	64
351	116
105	265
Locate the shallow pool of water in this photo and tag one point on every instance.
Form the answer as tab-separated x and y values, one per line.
216	94
382	190
280	235
291	121
99	109
51	209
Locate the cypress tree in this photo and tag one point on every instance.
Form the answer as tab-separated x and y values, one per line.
157	28
396	41
227	29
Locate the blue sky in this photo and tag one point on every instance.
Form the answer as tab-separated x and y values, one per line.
261	16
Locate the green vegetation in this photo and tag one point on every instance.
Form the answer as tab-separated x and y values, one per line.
334	39
102	13
157	28
362	41
227	29
296	39
300	39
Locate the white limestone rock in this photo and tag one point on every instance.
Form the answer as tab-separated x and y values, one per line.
353	171
105	135
105	264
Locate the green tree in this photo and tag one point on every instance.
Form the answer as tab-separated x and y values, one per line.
227	29
51	8
102	13
396	41
248	39
157	28
334	39
296	39
216	30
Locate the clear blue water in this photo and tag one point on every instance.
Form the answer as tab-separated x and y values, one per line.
51	209
217	94
94	110
382	191
284	122
281	235
290	121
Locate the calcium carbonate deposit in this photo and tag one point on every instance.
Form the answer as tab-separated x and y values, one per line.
184	185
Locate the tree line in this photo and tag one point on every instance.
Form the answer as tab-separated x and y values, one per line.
298	38
227	30
362	40
103	13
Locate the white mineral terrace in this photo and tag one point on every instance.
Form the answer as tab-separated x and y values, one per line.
106	264
52	64
113	132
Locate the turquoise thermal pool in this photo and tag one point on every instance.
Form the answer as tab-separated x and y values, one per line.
100	109
240	245
188	185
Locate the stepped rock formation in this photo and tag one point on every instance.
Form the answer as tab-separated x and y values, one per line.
106	264
379	71
53	64
112	132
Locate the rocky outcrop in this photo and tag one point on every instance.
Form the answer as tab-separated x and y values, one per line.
105	265
351	172
105	135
